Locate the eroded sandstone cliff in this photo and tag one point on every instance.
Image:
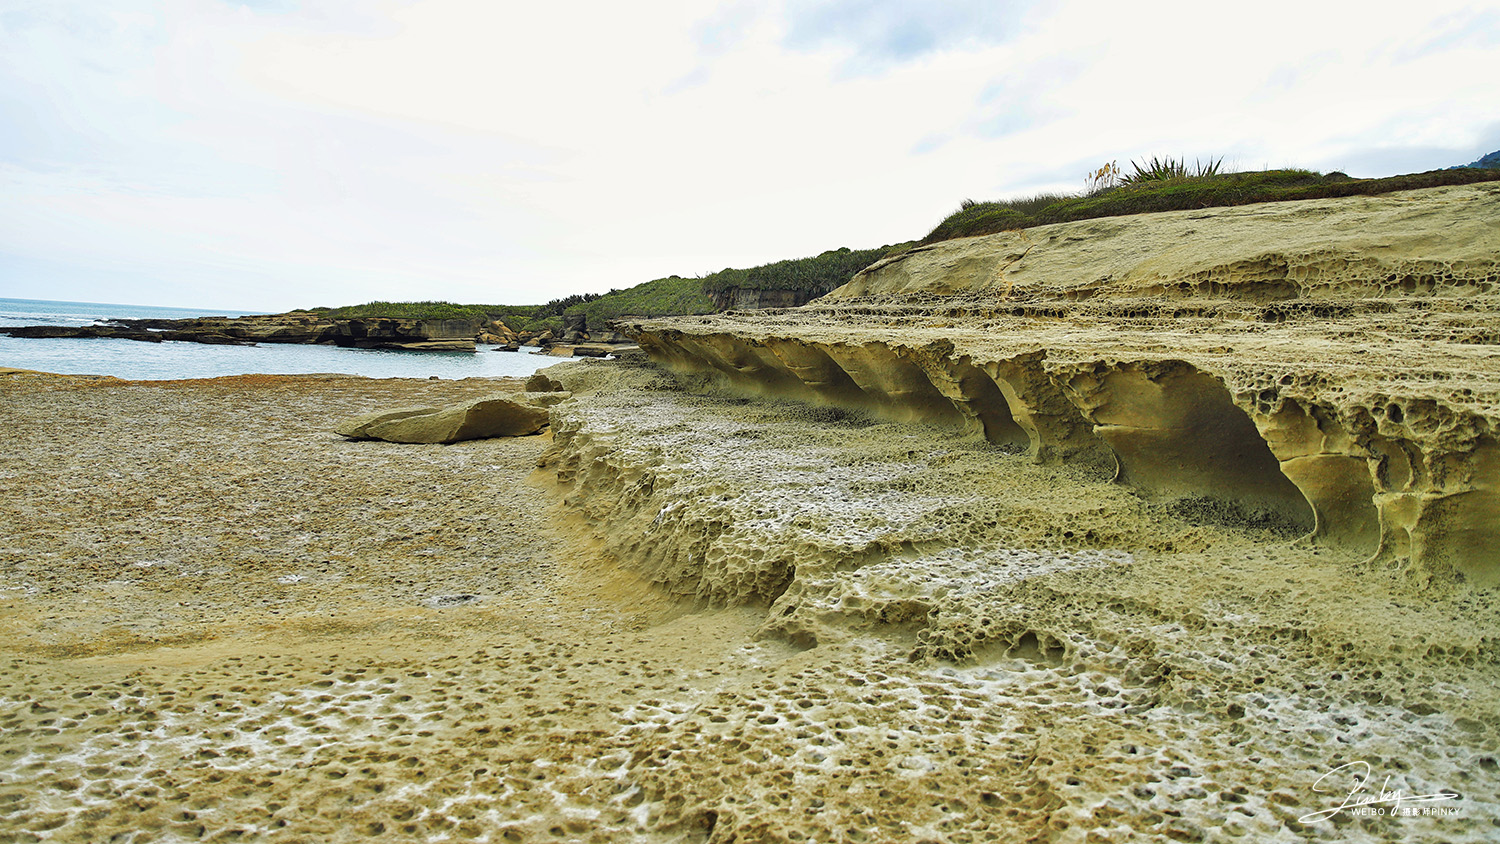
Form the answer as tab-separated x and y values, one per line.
1329	366
1128	666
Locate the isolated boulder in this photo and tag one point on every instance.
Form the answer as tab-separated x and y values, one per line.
474	420
358	428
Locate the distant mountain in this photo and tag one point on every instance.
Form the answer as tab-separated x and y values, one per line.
1491	160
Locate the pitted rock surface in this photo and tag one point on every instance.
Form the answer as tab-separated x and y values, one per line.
1329	365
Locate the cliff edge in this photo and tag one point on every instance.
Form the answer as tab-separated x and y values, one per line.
1330	367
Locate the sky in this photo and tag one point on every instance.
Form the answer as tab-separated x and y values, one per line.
264	155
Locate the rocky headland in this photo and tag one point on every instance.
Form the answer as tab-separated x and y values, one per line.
310	327
443	335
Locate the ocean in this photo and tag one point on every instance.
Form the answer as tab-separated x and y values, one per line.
136	360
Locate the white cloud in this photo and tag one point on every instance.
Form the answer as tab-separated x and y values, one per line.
274	153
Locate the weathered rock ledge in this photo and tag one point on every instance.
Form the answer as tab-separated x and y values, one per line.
1329	365
441	335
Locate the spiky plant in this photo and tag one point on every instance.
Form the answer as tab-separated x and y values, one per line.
1167	169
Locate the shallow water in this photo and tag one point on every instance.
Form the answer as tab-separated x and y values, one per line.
138	360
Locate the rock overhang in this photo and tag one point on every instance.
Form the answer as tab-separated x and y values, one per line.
1330	365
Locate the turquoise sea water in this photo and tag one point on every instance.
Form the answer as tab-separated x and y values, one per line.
171	360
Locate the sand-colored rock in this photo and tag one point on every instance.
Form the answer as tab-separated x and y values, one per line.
1438	241
1329	364
540	382
545	398
1008	568
1206	640
935	637
592	350
491	416
358	428
466	345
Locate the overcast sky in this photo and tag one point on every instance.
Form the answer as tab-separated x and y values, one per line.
271	154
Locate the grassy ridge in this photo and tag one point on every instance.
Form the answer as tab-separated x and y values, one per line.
1183	194
821	272
676	295
523	318
423	310
669	296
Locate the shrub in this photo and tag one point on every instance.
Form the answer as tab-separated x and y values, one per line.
818	274
982	217
420	310
558	307
553	323
669	296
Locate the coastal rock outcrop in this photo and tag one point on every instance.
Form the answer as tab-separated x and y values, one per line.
545	398
494	416
439	335
1326	368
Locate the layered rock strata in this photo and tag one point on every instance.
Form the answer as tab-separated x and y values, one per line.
749	298
1329	367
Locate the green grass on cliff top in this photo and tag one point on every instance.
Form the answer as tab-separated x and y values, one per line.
675	295
671	296
423	310
820	273
1182	194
